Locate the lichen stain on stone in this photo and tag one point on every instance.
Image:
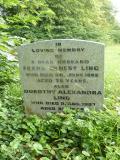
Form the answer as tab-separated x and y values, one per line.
28	110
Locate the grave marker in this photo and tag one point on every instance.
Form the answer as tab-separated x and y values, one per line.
60	73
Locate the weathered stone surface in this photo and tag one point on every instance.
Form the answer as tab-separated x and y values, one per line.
60	73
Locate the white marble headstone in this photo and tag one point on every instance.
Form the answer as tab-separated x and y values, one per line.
62	73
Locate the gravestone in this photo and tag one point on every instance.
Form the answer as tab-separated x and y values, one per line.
62	73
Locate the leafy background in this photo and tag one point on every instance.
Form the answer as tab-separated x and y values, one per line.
71	135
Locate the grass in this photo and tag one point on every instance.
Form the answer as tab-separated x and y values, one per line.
112	75
112	61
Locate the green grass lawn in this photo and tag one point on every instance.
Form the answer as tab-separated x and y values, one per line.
112	61
112	75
